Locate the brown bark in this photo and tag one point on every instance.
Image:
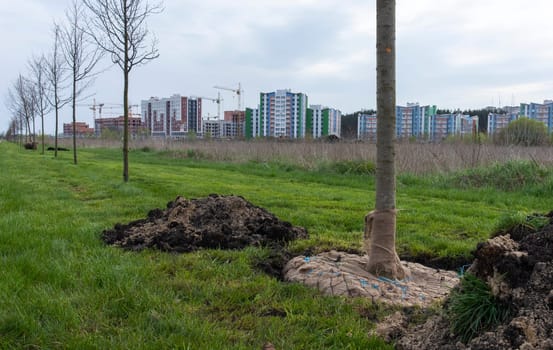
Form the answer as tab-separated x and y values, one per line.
381	223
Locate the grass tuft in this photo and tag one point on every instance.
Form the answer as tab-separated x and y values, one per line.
473	308
508	176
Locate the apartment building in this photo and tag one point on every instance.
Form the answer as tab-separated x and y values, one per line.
282	113
420	122
366	126
175	116
117	124
323	121
233	126
81	129
542	112
497	121
252	125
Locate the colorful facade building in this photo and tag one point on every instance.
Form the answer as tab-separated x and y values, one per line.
282	114
323	121
498	121
252	127
542	112
420	122
366	126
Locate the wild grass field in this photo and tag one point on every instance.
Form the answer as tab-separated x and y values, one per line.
61	287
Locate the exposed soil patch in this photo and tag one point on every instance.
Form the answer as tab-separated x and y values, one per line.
519	270
438	262
225	222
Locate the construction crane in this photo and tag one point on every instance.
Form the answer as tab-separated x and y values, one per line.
95	107
238	93
217	100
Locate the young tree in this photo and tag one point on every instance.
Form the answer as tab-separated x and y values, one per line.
21	102
56	75
123	25
38	70
380	224
81	56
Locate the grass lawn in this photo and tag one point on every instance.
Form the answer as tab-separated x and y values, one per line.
62	288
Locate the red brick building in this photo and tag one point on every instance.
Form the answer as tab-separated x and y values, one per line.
81	129
116	124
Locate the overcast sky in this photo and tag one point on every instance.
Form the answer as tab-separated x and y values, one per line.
452	53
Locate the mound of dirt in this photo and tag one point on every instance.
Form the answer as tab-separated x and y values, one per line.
520	274
225	222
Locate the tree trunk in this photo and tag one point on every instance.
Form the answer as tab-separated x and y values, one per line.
42	128
56	107
126	128
74	106
380	224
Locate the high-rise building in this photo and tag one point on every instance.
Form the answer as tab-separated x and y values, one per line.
252	125
497	121
282	114
366	126
323	121
542	112
175	116
414	120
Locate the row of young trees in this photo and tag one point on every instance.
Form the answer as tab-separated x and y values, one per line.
90	30
117	28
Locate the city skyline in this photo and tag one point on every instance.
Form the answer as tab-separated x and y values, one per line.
455	54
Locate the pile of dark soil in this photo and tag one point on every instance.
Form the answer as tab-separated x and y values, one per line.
225	222
518	267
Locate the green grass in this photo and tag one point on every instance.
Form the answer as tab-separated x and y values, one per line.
61	287
473	309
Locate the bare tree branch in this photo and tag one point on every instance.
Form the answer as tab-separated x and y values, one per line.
57	75
37	66
81	58
119	28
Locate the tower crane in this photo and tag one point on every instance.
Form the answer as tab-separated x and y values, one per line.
95	107
238	92
217	100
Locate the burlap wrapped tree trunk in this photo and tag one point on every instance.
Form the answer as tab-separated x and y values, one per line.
381	223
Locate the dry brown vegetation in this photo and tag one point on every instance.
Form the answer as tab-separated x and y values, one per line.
415	158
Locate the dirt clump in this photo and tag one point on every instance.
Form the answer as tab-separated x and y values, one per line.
519	271
225	222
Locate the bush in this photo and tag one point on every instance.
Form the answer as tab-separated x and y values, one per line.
523	132
473	309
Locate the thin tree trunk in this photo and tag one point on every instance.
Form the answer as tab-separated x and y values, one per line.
380	224
42	122
56	132
74	118
126	128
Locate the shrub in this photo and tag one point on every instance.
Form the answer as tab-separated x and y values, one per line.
473	308
523	132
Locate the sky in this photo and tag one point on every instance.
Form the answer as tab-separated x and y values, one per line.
451	53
